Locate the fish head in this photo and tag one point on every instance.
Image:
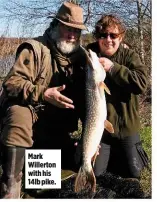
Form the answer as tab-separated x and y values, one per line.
95	70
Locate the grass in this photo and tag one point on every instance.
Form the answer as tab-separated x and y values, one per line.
145	181
146	137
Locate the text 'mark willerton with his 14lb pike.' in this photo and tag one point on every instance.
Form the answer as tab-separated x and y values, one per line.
95	122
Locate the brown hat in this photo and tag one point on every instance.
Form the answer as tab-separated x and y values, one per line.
71	15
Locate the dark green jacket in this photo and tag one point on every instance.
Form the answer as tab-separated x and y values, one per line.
126	81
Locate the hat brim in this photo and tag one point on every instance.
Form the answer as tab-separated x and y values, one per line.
77	26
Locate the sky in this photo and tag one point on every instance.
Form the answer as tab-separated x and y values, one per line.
7	28
14	28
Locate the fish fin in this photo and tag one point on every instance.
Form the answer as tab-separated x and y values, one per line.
108	126
103	85
85	180
94	157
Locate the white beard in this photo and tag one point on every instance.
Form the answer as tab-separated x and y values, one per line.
62	45
67	47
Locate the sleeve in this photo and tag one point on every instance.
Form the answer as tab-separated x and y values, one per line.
20	81
133	76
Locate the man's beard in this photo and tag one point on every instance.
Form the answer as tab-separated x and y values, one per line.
62	45
67	47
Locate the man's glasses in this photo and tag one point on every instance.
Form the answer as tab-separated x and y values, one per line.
111	35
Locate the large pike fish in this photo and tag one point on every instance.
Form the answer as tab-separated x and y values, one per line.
95	122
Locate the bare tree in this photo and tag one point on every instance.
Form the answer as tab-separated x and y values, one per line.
32	14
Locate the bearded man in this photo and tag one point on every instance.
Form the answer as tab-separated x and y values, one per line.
43	95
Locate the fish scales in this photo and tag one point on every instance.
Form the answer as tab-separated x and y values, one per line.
93	123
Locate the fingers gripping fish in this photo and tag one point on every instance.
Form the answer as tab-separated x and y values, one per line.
95	121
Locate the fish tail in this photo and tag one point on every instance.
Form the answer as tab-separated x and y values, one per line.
85	180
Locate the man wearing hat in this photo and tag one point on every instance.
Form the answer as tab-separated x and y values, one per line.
43	96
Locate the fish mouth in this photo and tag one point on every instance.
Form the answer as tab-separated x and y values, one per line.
91	57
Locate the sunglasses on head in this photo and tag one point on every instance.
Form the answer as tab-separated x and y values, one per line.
111	35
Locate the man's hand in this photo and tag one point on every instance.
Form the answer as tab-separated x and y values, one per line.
106	63
54	97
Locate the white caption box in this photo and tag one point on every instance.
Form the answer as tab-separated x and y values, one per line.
43	169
